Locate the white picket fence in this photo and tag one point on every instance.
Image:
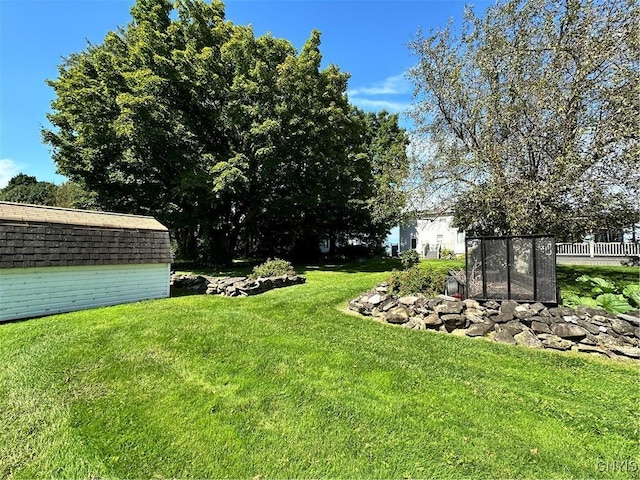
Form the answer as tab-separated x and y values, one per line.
613	249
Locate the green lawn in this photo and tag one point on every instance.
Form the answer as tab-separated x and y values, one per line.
286	384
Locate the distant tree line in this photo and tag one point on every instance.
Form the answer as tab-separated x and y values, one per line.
24	188
238	143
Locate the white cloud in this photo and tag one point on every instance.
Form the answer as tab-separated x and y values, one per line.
8	169
396	85
377	105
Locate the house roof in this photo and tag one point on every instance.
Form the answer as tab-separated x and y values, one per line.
38	214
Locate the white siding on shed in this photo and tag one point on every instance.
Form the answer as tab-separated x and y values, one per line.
33	292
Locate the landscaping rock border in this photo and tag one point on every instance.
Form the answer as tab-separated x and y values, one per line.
232	286
588	330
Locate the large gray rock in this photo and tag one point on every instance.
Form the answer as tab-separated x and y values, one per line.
622	327
632	319
561	311
479	329
388	305
375	299
527	339
492	305
588	311
449	307
513	327
398	315
453	321
432	303
581	347
508	307
589	327
432	320
502	317
555	342
475	316
601	320
523	314
571	319
568	330
538	318
502	336
540	327
469	304
631	352
536	308
408	300
589	340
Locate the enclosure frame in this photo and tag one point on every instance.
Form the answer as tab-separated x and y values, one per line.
535	263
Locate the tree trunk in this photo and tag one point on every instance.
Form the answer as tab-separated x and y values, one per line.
221	246
187	240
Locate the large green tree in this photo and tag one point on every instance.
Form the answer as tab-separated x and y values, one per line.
221	135
531	116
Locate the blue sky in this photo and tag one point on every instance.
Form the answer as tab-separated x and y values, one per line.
366	38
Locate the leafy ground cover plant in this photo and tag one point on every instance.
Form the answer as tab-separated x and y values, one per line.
275	267
604	293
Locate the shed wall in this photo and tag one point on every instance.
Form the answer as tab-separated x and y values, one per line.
33	292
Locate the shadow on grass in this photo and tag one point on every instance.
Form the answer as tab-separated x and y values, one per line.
374	265
241	268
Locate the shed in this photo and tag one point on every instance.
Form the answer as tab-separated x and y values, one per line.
55	260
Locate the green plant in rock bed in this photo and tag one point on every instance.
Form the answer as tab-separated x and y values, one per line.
428	281
272	268
605	294
409	258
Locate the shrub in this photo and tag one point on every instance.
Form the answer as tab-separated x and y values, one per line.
447	254
428	281
272	268
409	258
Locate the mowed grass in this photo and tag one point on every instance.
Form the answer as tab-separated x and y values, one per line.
287	385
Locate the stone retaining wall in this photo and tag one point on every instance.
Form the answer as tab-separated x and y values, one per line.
232	286
588	330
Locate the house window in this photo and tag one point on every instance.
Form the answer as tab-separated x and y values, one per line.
414	243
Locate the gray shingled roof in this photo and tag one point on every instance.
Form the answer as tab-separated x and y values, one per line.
37	236
19	212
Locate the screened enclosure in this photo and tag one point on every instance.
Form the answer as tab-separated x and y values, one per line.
521	268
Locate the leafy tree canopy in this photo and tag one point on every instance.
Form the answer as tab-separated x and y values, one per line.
220	134
531	114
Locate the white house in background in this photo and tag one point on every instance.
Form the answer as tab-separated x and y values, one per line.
429	233
56	260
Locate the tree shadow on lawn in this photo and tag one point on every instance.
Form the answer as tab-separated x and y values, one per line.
242	268
373	265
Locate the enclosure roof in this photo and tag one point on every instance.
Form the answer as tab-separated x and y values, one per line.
38	214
